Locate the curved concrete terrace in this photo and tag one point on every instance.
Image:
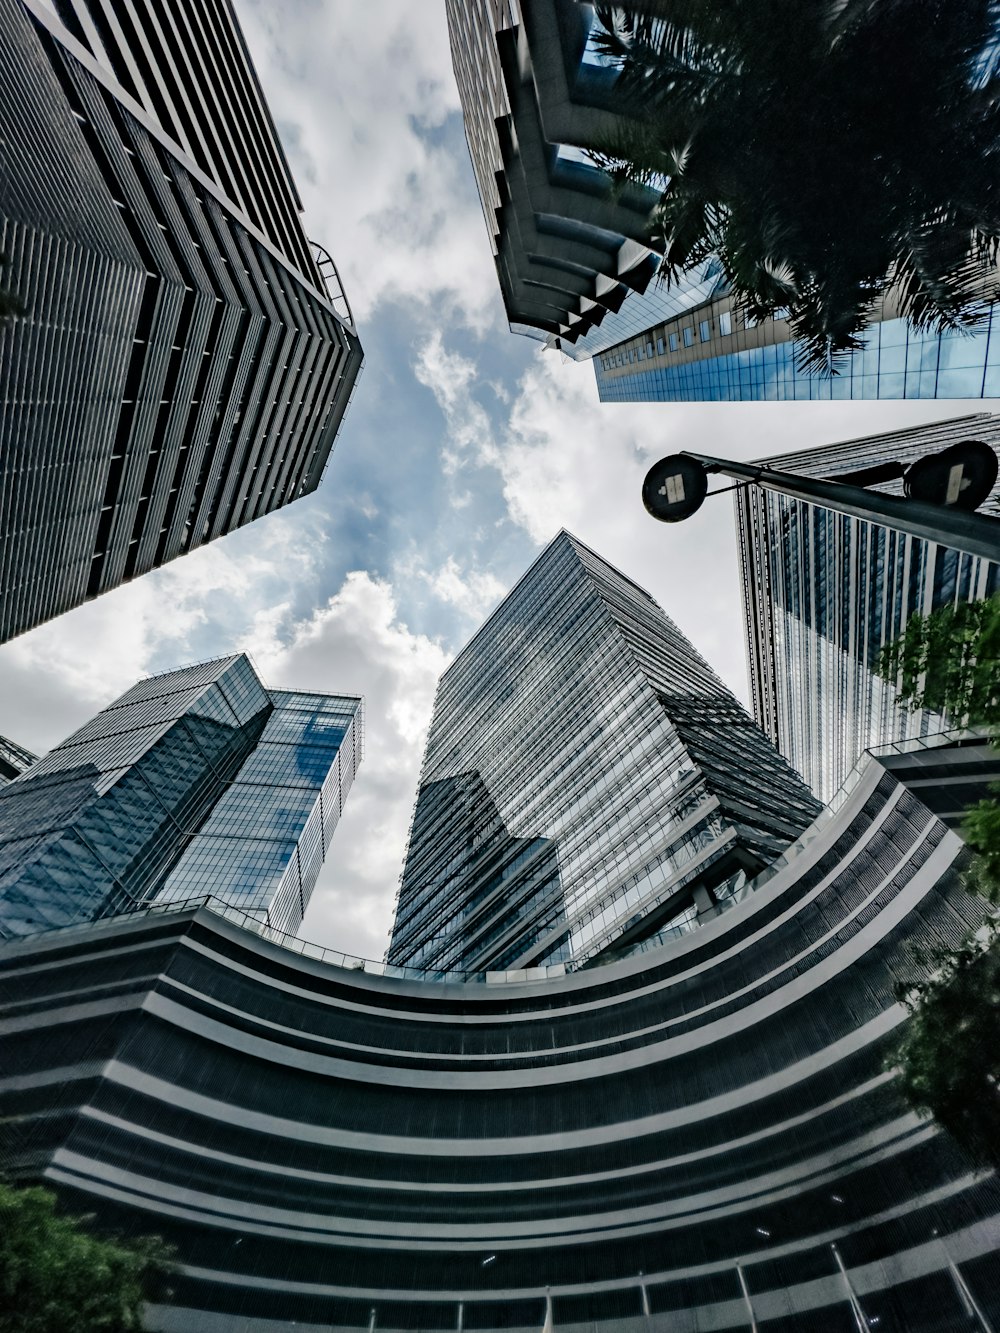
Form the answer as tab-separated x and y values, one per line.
703	1136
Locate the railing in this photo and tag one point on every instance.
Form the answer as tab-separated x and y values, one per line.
331	281
354	963
334	957
936	740
15	757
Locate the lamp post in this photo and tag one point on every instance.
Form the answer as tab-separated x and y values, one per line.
942	492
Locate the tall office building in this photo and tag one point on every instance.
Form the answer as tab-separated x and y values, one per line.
576	264
186	355
823	592
589	784
194	783
534	98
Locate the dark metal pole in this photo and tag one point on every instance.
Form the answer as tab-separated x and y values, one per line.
975	534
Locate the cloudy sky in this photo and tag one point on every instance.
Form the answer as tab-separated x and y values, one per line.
465	450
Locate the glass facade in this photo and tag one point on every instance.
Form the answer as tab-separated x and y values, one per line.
733	362
642	312
262	845
823	592
193	783
588	781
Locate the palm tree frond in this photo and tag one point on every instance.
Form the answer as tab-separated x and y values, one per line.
825	150
945	276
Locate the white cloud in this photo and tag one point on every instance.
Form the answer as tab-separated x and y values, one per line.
357	644
453	378
360	93
224	597
567	460
56	678
474	593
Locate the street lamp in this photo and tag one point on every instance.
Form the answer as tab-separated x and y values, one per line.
941	493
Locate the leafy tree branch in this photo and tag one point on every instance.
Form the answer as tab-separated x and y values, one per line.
949	662
55	1275
810	147
949	1056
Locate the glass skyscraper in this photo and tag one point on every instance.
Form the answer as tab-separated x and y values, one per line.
709	353
823	592
576	260
186	354
589	784
194	783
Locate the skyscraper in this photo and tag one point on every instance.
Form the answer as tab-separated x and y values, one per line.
193	783
186	354
569	256
576	263
823	592
589	784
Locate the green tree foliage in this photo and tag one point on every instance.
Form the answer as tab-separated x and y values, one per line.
949	1056
811	147
981	830
949	662
55	1276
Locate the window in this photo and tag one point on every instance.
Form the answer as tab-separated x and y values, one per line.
649	349
726	322
673	342
689	336
705	330
660	346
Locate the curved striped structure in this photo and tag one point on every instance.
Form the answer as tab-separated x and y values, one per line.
700	1137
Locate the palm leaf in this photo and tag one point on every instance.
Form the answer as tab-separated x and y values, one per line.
823	149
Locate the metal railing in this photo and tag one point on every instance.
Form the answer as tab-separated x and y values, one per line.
936	740
332	283
354	963
335	957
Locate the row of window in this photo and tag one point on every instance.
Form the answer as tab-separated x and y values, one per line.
670	341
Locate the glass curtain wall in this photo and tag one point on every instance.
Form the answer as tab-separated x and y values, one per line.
823	592
587	780
196	783
262	845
